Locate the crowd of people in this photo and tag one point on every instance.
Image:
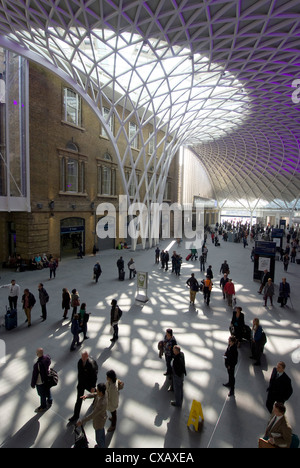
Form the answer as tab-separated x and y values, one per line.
106	394
280	387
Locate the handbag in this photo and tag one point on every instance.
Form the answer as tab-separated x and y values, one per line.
120	384
81	440
52	378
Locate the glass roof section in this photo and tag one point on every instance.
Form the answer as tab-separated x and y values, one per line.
221	77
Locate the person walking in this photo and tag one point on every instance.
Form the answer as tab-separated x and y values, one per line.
13	293
269	291
231	359
75	330
202	262
28	301
263	281
207	288
112	398
52	268
83	320
98	415
97	271
284	292
131	267
44	298
115	315
280	386
223	281
75	301
39	380
286	261
194	287
66	301
229	291
87	369
178	371
209	272
224	268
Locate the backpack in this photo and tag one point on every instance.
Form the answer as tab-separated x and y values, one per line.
52	378
120	313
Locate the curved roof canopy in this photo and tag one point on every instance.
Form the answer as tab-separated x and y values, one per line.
219	76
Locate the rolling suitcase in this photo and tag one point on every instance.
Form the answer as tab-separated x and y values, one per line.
122	275
188	257
11	319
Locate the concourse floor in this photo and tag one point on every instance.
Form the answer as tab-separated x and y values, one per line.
145	416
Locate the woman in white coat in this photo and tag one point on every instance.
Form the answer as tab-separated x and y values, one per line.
112	392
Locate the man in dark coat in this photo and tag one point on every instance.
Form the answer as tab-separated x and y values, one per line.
280	387
97	271
39	379
87	379
179	372
231	359
44	298
120	265
115	315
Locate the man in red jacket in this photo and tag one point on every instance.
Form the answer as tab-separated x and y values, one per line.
229	291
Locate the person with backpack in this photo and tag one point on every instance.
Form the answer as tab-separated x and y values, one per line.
207	287
115	315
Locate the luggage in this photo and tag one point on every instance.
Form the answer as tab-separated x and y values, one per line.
81	440
188	257
122	275
52	378
11	319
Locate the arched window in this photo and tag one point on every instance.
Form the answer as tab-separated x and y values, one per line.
106	175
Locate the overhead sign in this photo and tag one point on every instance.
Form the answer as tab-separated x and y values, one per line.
265	248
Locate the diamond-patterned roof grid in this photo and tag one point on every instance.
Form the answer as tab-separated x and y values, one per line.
215	75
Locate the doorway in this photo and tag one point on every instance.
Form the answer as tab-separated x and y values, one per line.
72	235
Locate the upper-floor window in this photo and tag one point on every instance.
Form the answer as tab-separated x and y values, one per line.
72	171
106	176
133	135
109	120
72	107
151	143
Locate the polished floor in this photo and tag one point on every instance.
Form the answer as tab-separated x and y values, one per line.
145	416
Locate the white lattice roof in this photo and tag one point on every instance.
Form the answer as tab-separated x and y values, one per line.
215	75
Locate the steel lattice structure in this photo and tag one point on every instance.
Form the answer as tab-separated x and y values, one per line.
215	75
